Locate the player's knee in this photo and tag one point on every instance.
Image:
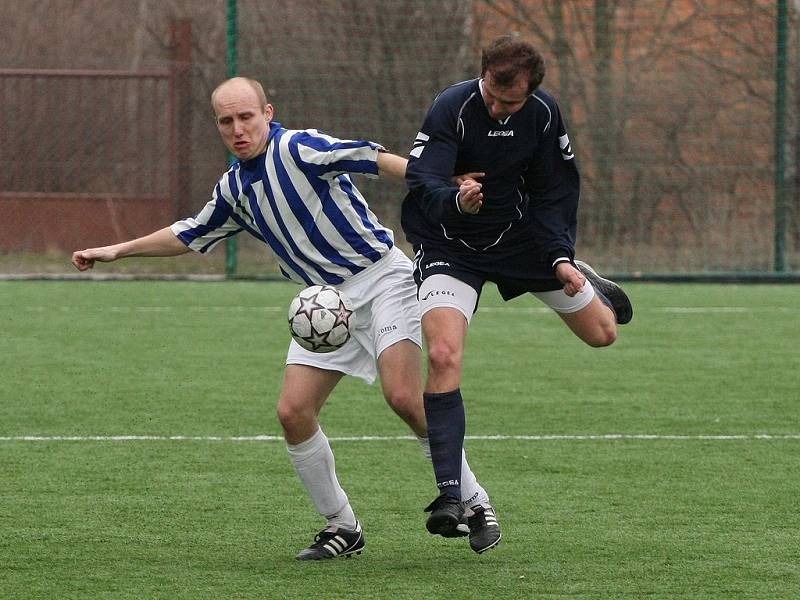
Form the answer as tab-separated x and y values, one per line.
406	398
404	402
603	335
293	416
443	358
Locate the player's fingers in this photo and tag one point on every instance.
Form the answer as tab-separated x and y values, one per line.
473	175
472	201
81	262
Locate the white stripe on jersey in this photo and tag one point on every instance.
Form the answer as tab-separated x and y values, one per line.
549	112
298	200
301	184
419	144
566	149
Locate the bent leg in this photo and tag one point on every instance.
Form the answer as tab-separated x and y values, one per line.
595	323
585	314
400	368
305	390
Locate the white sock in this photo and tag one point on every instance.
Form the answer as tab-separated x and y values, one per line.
472	493
314	463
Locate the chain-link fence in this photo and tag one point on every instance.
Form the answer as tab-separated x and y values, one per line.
679	112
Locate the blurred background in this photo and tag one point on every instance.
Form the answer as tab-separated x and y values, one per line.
682	113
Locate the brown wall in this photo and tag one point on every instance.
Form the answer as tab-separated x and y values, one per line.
65	222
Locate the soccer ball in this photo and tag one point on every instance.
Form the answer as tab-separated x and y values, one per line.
321	318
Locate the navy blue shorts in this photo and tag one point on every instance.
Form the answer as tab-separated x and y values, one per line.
514	273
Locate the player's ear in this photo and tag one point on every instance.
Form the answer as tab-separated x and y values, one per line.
269	112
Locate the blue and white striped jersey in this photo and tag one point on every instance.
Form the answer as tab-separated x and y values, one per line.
298	199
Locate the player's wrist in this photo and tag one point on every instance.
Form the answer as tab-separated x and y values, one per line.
564	259
458	203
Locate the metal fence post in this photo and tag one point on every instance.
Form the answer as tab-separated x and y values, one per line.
780	137
232	57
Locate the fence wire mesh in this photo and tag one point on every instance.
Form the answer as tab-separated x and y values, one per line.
670	104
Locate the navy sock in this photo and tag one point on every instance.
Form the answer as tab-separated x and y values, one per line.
446	426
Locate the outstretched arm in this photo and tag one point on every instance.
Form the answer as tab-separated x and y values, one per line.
391	165
159	243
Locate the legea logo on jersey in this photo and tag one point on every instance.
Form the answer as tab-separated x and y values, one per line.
438	263
433	293
501	133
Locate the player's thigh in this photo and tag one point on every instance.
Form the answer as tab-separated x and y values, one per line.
447	305
400	368
584	313
563	304
445	291
394	310
306	388
594	323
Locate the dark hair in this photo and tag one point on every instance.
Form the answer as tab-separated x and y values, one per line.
507	56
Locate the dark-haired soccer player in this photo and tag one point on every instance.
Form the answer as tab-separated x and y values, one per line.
512	221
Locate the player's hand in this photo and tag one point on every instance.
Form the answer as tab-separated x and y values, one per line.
571	277
459	179
470	198
85	259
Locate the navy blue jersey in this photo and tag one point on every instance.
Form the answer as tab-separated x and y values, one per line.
531	187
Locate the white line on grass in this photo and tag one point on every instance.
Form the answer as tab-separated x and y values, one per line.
528	310
390	438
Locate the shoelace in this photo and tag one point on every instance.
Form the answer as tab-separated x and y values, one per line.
322	537
479	518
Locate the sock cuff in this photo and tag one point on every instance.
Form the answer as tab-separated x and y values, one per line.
308	447
443	400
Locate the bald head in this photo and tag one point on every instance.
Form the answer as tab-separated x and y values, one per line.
240	85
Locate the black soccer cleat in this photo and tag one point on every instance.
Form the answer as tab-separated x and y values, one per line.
484	530
461	530
330	543
446	516
620	303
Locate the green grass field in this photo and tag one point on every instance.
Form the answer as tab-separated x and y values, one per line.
698	497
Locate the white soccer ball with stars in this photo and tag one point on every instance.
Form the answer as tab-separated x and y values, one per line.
321	318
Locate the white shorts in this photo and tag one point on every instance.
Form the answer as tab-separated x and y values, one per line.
437	291
384	297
